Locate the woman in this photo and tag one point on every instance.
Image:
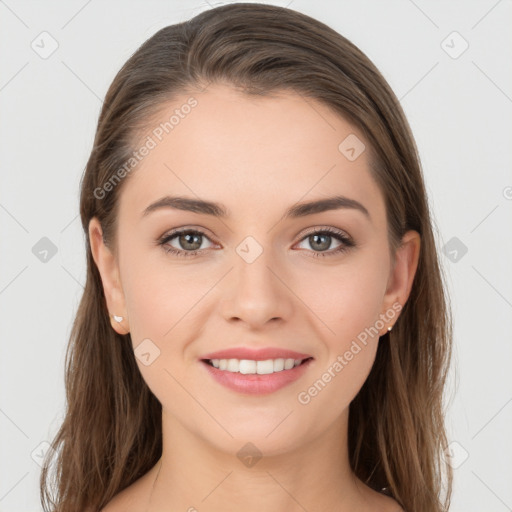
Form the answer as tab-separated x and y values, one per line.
264	324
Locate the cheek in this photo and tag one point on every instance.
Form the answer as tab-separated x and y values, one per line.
347	298
336	383
158	295
162	302
349	352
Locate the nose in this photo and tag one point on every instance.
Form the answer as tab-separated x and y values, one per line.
256	292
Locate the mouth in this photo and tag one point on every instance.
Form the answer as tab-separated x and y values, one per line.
255	367
256	377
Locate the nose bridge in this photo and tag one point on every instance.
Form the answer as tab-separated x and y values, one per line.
257	294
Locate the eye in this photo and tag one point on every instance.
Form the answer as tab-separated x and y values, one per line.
321	240
189	242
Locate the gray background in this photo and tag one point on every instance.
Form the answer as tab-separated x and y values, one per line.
459	107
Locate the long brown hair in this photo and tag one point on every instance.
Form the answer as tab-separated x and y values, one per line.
111	434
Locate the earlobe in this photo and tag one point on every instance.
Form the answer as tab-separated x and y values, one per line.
109	271
402	275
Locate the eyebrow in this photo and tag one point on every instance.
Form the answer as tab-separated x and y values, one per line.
219	210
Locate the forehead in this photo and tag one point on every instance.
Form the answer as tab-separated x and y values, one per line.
253	153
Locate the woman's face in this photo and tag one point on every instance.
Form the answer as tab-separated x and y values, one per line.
261	279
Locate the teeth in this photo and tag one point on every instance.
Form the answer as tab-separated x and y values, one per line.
248	366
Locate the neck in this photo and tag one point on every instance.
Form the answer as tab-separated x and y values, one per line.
194	475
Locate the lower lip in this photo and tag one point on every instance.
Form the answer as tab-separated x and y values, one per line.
255	384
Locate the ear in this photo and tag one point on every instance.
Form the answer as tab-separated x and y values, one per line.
402	274
108	268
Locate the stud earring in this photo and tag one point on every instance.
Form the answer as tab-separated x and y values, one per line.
389	328
118	319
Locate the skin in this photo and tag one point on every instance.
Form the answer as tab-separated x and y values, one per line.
258	157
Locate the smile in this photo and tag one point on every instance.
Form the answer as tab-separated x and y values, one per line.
250	366
253	377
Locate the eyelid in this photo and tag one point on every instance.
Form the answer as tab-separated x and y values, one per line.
322	229
345	240
183	229
168	235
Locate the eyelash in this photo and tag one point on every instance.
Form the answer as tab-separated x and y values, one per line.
346	242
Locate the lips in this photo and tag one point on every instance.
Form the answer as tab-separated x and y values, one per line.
261	354
255	384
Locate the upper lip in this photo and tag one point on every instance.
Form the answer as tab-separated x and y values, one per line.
260	354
